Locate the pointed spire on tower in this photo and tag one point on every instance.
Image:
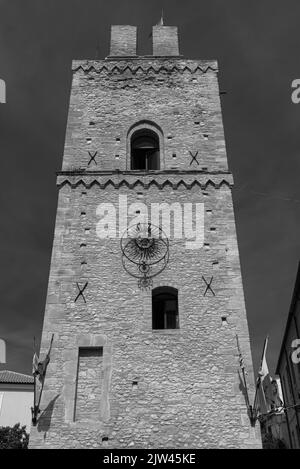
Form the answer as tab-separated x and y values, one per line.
161	21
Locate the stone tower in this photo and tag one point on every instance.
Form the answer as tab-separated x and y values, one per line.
137	367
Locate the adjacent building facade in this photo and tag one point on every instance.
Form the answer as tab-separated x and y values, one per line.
288	367
16	399
145	351
2	351
273	423
2	91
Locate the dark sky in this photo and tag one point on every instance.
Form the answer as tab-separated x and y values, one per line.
257	44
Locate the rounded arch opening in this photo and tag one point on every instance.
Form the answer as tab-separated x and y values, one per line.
145	150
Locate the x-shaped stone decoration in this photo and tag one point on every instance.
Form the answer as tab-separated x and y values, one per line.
208	286
92	158
81	290
194	157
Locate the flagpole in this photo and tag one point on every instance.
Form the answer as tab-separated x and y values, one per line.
36	408
33	409
40	396
34	377
48	355
50	344
242	366
258	381
246	389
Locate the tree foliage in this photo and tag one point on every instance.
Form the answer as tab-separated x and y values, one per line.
14	437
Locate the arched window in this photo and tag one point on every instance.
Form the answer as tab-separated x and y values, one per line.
165	308
144	150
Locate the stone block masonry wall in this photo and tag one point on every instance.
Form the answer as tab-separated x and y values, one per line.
179	96
170	388
123	40
165	40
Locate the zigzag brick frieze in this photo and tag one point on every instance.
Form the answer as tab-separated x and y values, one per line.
135	66
119	179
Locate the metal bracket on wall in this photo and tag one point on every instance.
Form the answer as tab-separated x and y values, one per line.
81	290
208	286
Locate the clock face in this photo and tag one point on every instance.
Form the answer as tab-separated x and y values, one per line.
145	250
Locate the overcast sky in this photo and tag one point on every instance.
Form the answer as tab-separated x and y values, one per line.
257	44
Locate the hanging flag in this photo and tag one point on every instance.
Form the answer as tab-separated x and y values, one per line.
35	360
39	367
35	364
264	391
42	368
277	402
242	376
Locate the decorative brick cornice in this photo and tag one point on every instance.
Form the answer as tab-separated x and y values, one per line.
145	65
187	179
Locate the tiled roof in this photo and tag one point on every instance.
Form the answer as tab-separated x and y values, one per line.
12	377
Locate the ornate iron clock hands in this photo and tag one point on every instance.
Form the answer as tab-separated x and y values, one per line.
145	252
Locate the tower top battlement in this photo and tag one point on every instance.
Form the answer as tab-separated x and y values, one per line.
123	41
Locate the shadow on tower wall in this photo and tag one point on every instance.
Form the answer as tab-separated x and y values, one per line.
44	420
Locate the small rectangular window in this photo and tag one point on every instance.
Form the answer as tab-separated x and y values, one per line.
165	308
